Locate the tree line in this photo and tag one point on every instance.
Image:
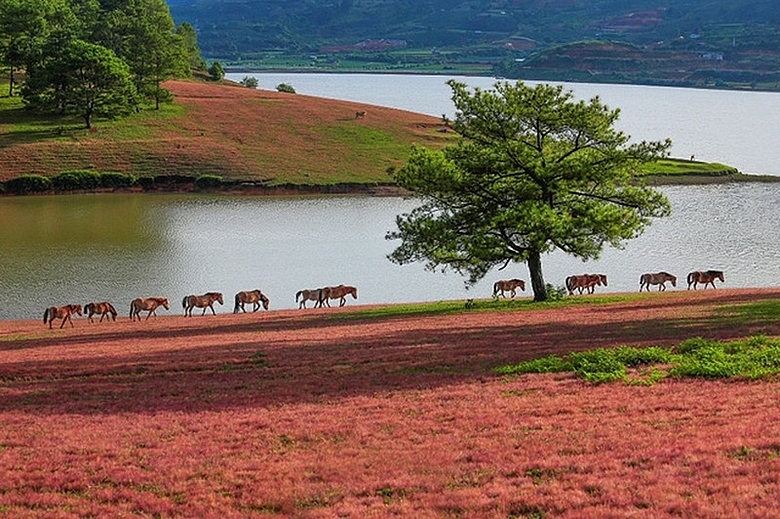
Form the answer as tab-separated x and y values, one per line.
93	58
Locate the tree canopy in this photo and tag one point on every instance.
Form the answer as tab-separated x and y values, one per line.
533	171
51	42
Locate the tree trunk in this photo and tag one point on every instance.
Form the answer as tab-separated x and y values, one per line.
537	278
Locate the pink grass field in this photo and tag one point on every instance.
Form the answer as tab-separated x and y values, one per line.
316	413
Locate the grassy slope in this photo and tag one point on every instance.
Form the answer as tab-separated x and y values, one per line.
234	132
243	134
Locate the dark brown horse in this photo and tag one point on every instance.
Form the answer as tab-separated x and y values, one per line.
707	277
147	304
60	312
585	282
256	297
659	278
205	301
340	292
104	309
508	285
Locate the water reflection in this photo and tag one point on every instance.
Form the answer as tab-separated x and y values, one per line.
57	250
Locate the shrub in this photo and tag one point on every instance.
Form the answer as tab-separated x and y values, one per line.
284	87
208	181
250	82
77	179
116	180
216	71
28	184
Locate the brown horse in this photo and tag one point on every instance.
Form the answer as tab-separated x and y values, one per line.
148	304
60	312
340	292
360	114
508	285
104	309
320	295
585	282
255	297
205	301
659	278
707	277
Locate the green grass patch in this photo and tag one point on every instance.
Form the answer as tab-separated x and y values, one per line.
686	167
752	358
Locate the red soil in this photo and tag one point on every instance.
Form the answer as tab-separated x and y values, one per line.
317	413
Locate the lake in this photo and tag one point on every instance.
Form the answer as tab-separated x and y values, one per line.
80	248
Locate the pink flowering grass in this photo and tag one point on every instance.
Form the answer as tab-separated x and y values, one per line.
320	414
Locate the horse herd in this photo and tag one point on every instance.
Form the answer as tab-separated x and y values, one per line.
256	298
585	283
588	282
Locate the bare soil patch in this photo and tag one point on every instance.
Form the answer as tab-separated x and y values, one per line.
320	413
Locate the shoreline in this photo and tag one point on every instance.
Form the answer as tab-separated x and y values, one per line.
251	188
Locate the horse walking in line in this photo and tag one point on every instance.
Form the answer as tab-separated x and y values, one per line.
508	285
148	304
255	297
340	292
659	278
320	295
707	277
104	309
60	312
585	282
205	301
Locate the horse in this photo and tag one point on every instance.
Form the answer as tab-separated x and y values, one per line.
320	295
508	285
360	114
586	282
104	309
340	292
60	312
255	297
660	278
707	277
149	304
205	301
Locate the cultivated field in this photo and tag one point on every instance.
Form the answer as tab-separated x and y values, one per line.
352	413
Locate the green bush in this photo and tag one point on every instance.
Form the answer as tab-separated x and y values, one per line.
116	180
77	179
208	181
28	184
285	87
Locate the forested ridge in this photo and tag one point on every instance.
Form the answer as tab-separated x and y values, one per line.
689	42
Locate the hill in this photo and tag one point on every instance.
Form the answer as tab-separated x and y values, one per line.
709	43
241	134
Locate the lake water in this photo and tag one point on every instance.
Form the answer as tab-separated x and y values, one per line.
60	249
80	248
741	129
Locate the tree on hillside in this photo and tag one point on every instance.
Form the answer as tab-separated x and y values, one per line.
25	26
85	79
534	171
189	39
142	33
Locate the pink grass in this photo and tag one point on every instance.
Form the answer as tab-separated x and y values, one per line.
366	419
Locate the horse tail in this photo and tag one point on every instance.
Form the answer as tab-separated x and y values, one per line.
495	287
235	307
46	316
690	277
298	294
